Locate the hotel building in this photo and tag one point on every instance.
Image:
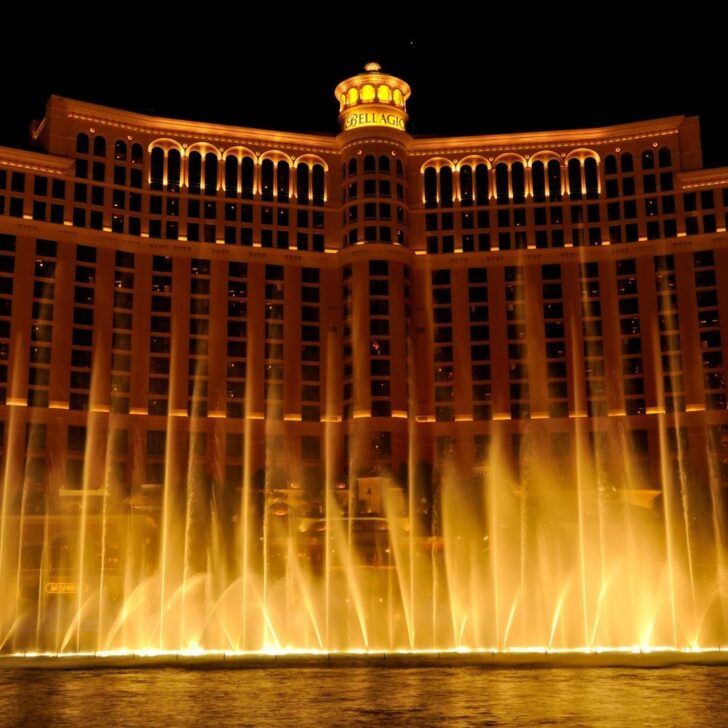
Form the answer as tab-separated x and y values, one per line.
183	299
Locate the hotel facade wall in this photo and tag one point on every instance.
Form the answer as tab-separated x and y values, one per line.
213	300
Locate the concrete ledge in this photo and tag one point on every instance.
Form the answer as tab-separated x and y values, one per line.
237	660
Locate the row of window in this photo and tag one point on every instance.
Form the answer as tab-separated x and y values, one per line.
237	177
7	269
371	165
632	335
510	182
634	448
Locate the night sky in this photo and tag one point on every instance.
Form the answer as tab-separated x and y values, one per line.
537	78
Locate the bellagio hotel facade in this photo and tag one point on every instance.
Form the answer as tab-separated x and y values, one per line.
183	297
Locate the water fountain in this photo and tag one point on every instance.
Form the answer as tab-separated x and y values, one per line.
491	564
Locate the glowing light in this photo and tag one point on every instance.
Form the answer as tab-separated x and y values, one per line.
367	93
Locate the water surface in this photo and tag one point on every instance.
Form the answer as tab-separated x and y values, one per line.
366	695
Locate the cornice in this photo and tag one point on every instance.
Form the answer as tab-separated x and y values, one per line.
527	141
222	134
192	131
702	178
35	161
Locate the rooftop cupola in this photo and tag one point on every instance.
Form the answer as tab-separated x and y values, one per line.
373	98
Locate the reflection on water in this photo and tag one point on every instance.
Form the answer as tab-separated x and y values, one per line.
681	696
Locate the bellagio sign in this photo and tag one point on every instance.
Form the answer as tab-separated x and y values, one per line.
390	118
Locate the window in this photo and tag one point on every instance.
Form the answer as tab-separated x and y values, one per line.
174	166
446	187
82	143
302	183
518	182
501	183
574	174
156	173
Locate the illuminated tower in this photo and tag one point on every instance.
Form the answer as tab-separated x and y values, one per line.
376	264
373	99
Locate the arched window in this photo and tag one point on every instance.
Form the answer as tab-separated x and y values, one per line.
120	149
627	162
352	166
501	183
400	168
231	177
481	184
210	174
446	187
538	182
174	167
518	182
283	175
317	182
610	164
194	172
82	143
553	170
137	154
370	163
266	179
156	172
664	157
384	163
574	176
430	187
591	178
302	182
247	177
466	185
648	159
99	146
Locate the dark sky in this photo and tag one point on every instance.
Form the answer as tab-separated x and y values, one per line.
519	74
